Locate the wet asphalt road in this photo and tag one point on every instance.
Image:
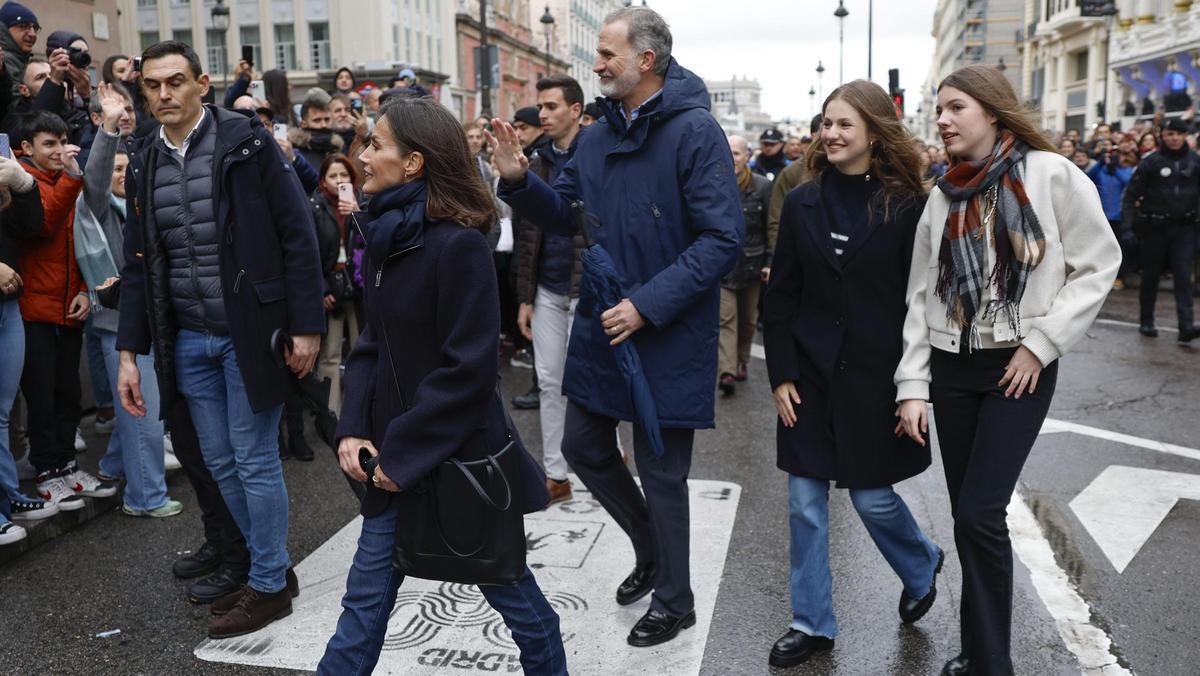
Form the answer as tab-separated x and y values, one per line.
114	572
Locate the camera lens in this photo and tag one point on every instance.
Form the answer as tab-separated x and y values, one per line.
80	58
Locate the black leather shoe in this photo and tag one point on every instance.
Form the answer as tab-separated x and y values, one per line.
221	583
530	401
1148	330
912	609
200	562
795	647
1188	335
658	627
638	584
959	666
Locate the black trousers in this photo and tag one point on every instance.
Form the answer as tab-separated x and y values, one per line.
656	521
1158	243
220	529
985	439
50	383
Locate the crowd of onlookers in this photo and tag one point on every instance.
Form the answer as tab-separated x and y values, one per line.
68	123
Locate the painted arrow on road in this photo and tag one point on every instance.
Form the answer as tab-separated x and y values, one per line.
1123	507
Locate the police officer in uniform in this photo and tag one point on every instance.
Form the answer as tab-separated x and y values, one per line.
770	161
1160	206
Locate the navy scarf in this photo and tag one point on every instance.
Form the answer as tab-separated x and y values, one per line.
398	219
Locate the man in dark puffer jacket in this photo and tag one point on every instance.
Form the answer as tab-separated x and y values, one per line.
216	264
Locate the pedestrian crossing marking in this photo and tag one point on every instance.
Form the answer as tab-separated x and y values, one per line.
578	555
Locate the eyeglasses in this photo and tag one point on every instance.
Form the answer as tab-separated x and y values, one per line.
29	26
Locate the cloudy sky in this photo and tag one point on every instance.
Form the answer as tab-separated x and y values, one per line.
780	41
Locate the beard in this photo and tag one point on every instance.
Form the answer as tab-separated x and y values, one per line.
620	86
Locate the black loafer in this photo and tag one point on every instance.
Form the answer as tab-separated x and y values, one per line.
201	562
959	666
795	647
657	627
1148	330
221	583
1188	335
638	584
912	609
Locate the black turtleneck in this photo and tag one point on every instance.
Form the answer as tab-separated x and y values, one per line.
847	200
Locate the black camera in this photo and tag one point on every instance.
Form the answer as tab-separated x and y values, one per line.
80	58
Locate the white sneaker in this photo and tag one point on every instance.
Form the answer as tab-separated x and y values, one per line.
168	446
10	533
170	461
80	444
85	484
54	489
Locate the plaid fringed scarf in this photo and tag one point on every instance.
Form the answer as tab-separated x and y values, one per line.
1017	235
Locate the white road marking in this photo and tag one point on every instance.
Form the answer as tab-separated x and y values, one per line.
1123	507
579	556
1072	615
1052	426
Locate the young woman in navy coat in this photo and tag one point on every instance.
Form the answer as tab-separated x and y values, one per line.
833	318
432	304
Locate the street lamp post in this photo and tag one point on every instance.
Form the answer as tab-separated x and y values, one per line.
220	22
841	13
812	101
485	68
820	72
547	21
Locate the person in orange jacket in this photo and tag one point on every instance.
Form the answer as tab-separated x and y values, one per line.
54	306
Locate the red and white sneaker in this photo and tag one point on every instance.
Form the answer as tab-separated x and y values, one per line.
53	489
83	483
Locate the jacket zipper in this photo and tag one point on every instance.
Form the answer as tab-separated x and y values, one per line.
379	272
237	283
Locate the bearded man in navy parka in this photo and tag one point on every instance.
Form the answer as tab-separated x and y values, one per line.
657	173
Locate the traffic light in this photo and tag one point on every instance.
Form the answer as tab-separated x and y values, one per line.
895	90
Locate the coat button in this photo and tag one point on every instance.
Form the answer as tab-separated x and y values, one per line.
258	142
245	151
837	322
842	365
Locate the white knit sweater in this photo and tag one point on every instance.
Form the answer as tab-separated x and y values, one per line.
1064	293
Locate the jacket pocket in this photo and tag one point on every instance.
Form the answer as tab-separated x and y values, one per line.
270	290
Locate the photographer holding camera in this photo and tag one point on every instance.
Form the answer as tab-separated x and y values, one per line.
1111	176
69	85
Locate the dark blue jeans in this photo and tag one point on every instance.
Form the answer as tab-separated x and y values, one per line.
240	448
371	593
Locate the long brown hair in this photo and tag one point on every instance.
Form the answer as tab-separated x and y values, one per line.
456	189
895	160
993	91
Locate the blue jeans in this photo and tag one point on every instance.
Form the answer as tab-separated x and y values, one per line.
98	367
911	555
240	448
135	449
371	593
12	346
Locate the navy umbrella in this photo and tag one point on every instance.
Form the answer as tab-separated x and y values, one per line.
601	279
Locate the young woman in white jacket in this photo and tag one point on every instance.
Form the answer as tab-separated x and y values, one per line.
1012	261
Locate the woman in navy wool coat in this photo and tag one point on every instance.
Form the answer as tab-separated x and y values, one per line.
833	319
432	303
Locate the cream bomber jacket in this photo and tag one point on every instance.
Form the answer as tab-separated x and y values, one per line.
1064	293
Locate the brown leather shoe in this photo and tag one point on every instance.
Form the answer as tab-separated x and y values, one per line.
253	611
229	601
560	491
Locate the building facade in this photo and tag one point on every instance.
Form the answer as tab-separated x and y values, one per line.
1064	59
1154	58
309	39
523	58
736	103
967	32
